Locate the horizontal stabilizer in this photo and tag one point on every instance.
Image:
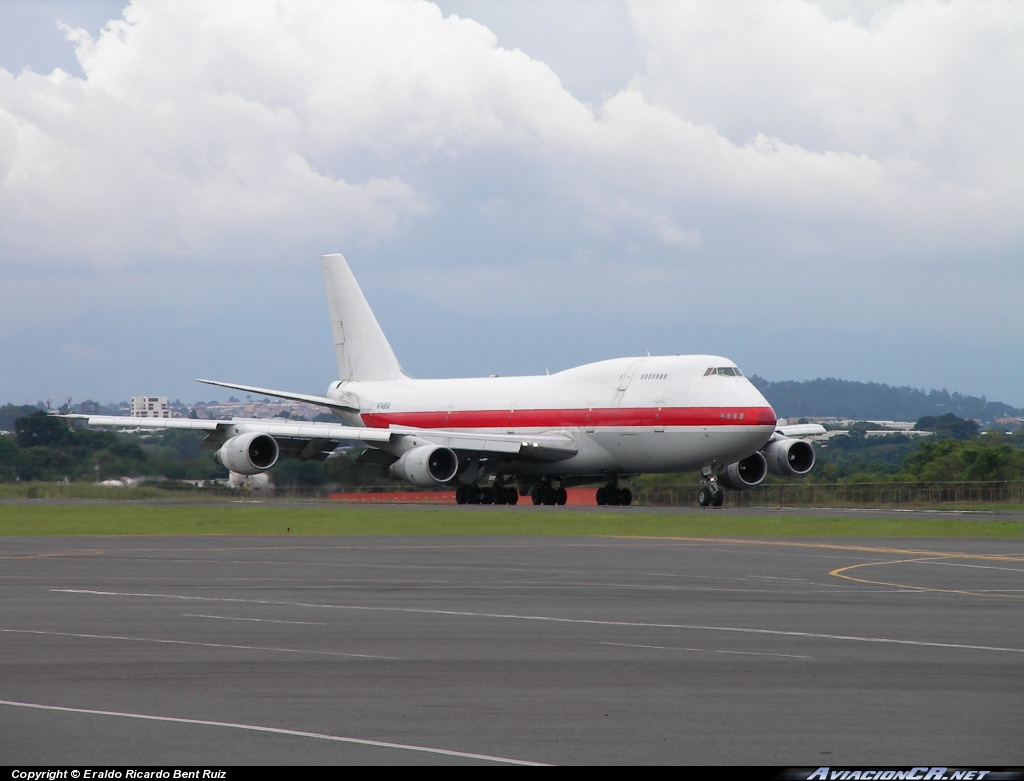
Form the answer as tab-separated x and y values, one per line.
320	401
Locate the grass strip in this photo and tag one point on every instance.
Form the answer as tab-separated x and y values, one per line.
105	519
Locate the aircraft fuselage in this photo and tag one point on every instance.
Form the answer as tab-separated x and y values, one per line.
627	415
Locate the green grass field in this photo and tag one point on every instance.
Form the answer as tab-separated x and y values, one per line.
31	519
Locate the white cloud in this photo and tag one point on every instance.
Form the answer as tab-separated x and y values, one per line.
772	142
200	128
670	233
79	352
923	80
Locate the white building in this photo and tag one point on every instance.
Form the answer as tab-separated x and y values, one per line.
150	407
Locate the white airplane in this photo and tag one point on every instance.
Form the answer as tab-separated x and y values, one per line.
496	438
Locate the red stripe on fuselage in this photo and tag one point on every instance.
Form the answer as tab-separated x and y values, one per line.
634	417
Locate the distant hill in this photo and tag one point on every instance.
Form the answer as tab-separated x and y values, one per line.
830	397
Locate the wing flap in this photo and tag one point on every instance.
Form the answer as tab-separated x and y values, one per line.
126	422
283	430
529	447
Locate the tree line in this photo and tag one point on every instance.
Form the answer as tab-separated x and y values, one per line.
45	448
944	458
830	397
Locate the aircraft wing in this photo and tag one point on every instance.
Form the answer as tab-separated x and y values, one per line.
126	422
308	441
801	431
276	428
317	440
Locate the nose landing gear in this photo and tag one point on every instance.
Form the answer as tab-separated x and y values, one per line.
710	495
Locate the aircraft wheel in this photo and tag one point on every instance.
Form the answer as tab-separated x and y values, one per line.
512	496
719	499
625	497
561	497
460	495
472	494
486	496
550	496
704	496
536	496
602	496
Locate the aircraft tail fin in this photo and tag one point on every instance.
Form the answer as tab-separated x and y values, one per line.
360	346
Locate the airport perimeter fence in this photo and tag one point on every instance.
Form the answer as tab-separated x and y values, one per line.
852	495
775	494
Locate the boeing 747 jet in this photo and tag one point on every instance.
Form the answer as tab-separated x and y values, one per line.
495	439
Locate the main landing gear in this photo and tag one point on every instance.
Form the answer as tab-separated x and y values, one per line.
710	495
545	493
611	494
542	491
473	494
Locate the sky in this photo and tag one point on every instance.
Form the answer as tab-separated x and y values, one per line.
813	189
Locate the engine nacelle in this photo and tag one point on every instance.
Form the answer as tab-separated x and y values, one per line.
746	473
426	465
789	457
248	454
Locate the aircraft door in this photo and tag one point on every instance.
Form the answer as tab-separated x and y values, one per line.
624	382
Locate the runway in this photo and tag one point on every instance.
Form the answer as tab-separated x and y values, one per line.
264	650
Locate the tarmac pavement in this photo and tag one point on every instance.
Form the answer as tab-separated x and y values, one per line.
385	650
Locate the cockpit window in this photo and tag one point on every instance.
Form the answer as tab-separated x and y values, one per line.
725	371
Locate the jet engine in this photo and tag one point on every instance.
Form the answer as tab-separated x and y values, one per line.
746	473
248	454
789	457
426	465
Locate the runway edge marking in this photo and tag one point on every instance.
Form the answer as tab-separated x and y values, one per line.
551	619
192	642
277	731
